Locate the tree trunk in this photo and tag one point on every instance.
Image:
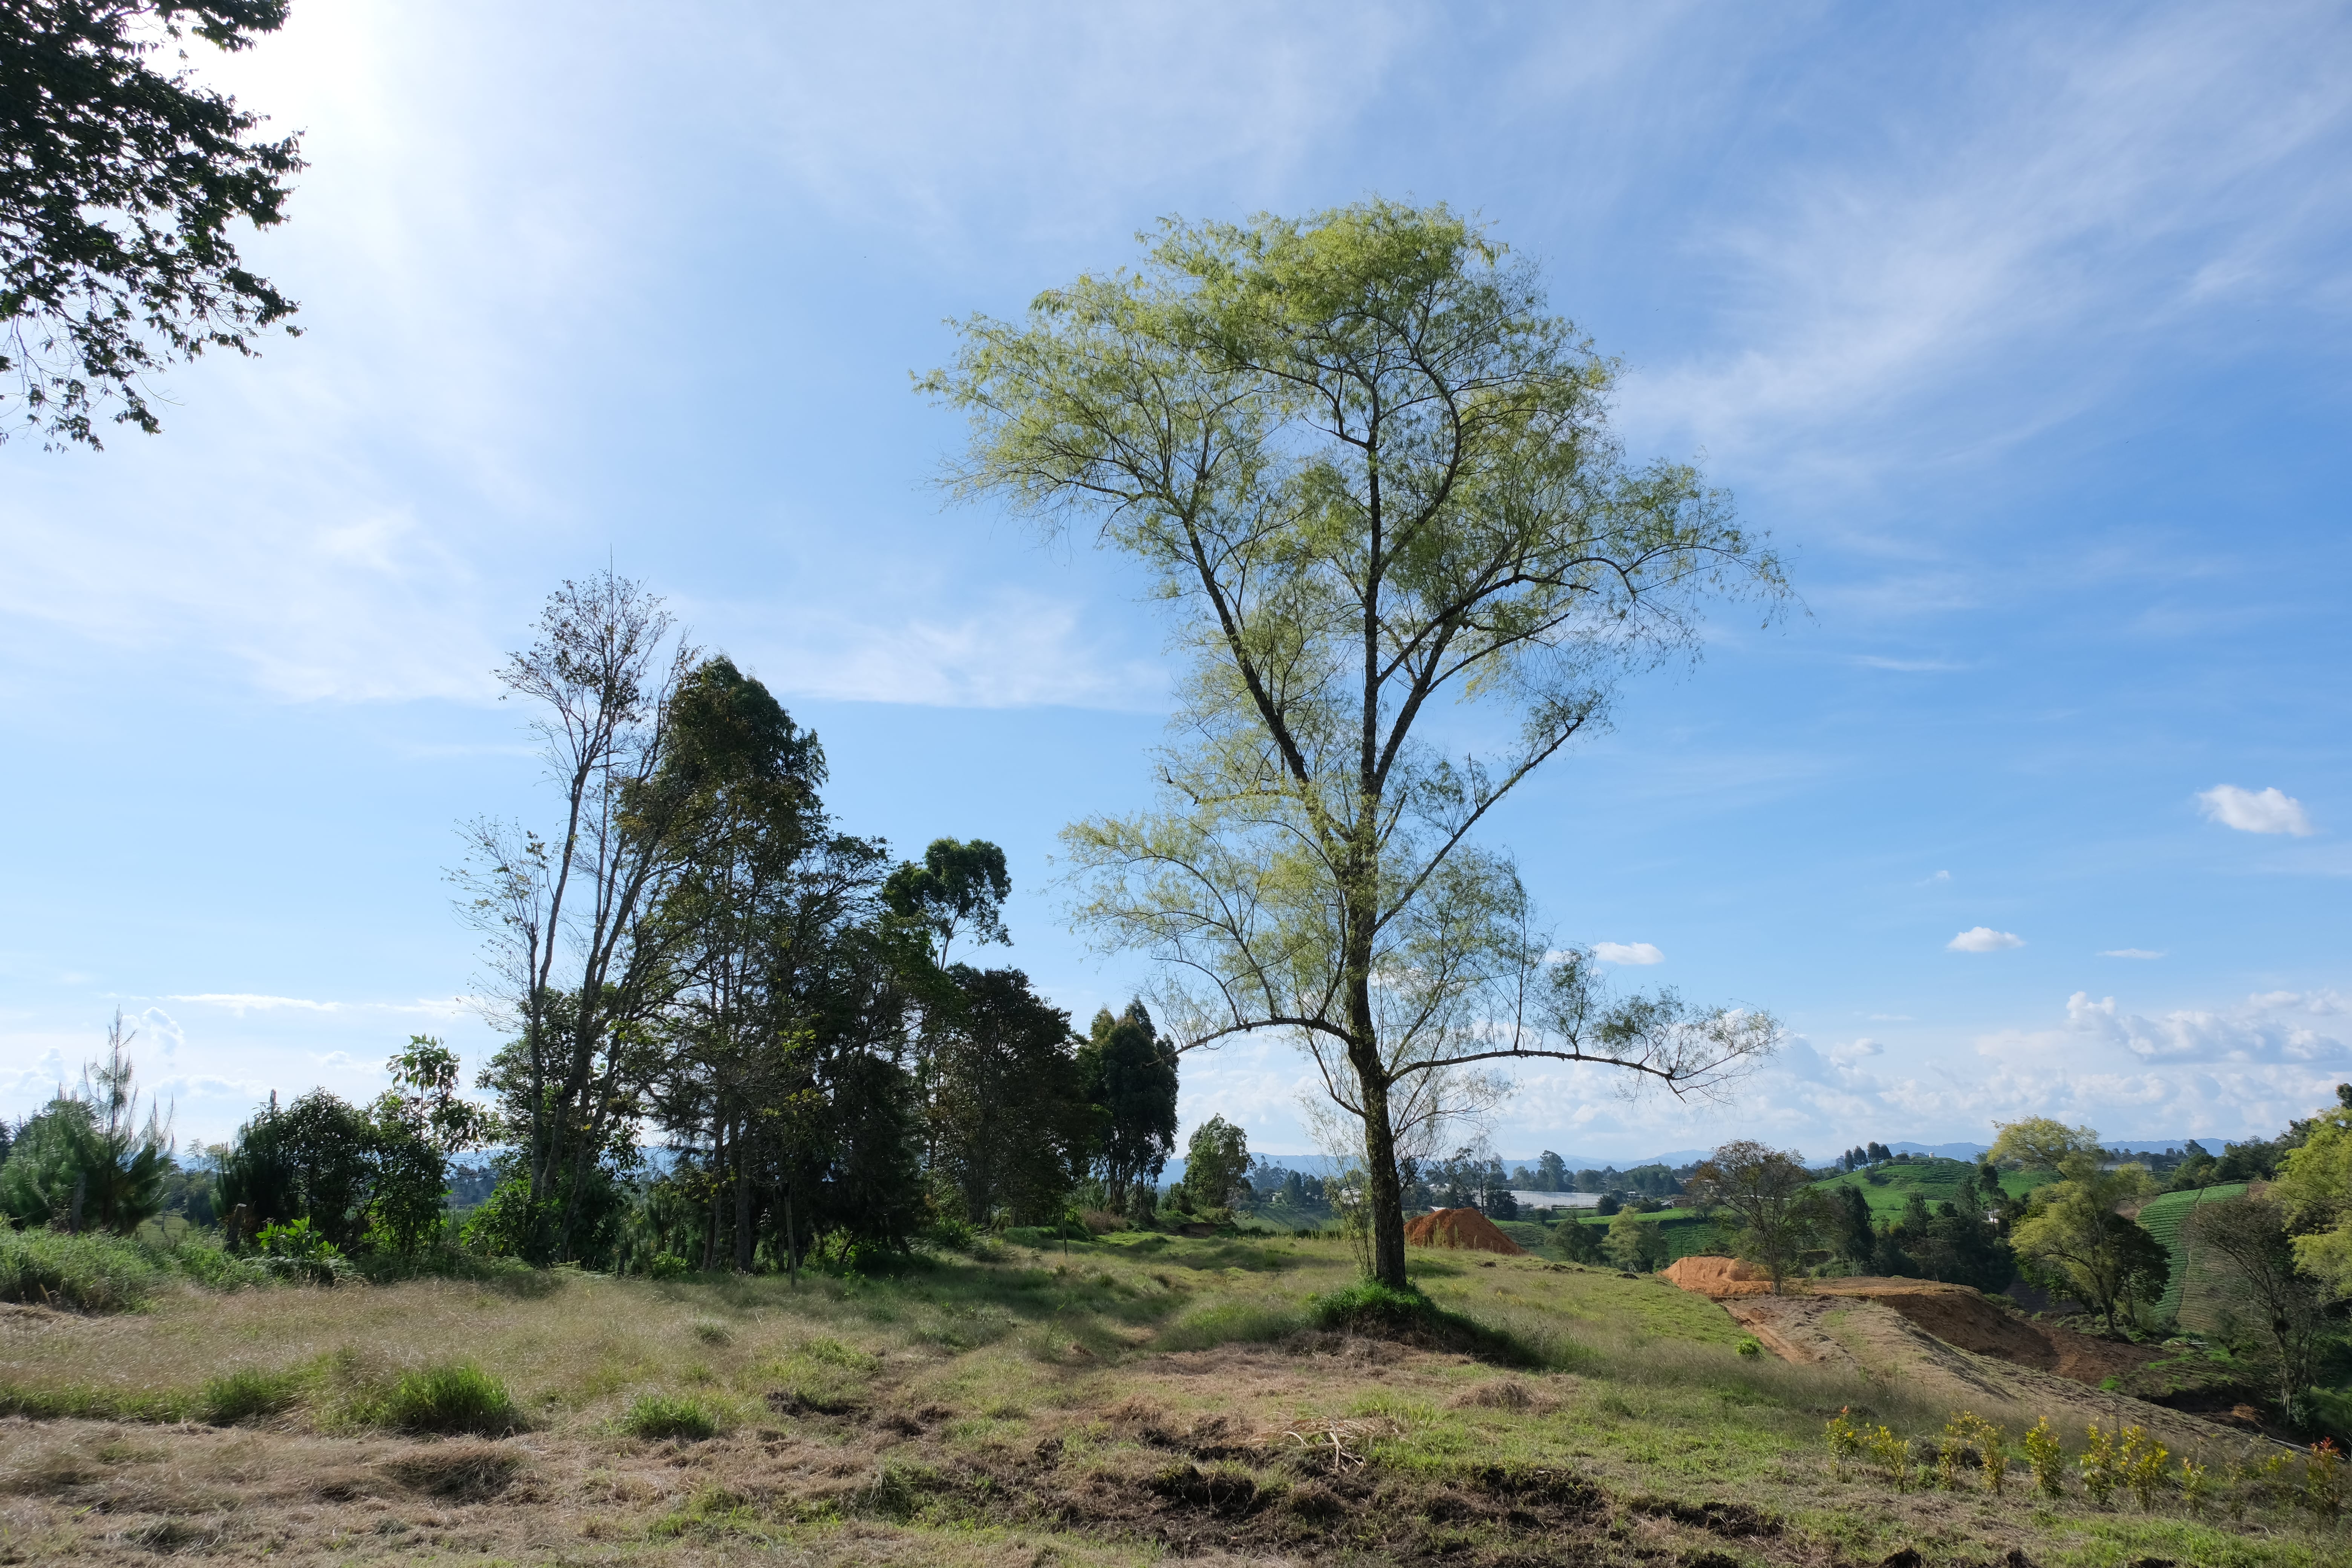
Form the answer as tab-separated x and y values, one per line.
1385	1191
742	1207
792	1250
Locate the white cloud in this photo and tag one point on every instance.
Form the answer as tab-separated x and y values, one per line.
1910	666
2130	952
1854	1051
1627	953
41	1079
1021	649
1939	877
1983	939
2248	811
243	1002
2270	1027
164	1030
2104	168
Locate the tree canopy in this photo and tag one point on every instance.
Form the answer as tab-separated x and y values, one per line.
1373	472
117	195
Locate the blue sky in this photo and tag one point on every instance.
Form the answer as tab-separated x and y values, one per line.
2023	330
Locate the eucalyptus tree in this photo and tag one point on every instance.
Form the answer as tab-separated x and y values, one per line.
740	782
579	963
1372	474
1131	1075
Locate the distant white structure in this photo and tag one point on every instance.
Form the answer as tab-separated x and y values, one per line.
1555	1200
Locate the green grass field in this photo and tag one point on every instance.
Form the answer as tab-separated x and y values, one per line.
1138	1397
2198	1295
1937	1181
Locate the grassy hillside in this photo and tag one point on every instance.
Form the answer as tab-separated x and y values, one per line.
2197	1294
1888	1187
1145	1397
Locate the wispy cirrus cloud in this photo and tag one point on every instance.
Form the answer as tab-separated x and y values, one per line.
241	1002
1628	952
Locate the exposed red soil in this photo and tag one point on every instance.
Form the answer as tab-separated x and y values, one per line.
1954	1314
1467	1230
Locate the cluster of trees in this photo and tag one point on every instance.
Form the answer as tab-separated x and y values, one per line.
693	951
704	953
351	1178
1863	1156
701	951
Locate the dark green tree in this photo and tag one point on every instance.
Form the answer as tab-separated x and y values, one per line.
88	1162
313	1159
418	1124
43	1172
960	887
1216	1165
2249	1236
1576	1242
1132	1076
1011	1126
118	188
1857	1243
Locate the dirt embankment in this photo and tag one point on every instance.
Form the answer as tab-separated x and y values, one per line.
1464	1228
1954	1314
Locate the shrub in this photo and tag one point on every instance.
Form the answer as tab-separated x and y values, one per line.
1847	1440
2195	1483
656	1415
1894	1454
80	1273
2047	1460
1750	1345
296	1250
1967	1431
2103	1463
454	1396
247	1393
667	1265
2142	1465
1372	1308
2323	1479
951	1233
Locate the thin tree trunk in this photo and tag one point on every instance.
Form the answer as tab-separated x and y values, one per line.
742	1207
710	1220
792	1252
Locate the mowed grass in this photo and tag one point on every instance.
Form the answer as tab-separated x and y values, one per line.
1093	1405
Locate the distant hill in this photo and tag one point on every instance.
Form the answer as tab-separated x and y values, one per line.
1324	1165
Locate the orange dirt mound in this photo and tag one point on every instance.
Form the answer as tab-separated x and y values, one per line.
1465	1228
1718	1277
